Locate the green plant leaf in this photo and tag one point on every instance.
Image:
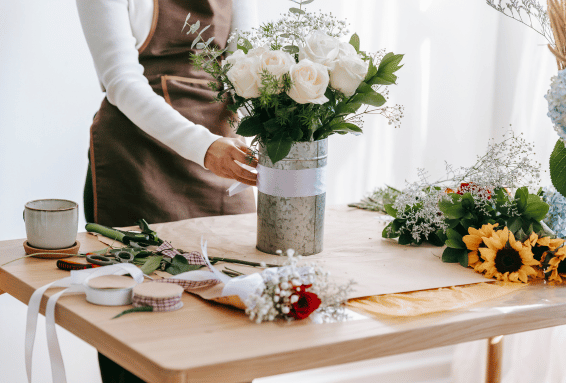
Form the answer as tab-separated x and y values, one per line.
250	126
521	197
558	167
389	210
151	264
514	224
271	125
452	209
363	88
246	46
388	232
372	70
347	108
405	239
278	149
536	208
373	99
296	11
135	310
452	255
346	127
291	49
179	265
355	42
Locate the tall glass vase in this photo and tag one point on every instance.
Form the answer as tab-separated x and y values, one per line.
292	198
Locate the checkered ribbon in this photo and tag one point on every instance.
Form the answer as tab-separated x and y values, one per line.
194	257
158	304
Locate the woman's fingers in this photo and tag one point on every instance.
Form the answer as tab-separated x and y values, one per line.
244	155
240	174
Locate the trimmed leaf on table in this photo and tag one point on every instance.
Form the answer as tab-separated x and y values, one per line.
179	264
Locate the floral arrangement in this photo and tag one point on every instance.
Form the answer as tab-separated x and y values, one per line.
483	225
295	292
297	81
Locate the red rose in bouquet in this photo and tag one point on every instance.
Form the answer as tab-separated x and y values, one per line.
307	303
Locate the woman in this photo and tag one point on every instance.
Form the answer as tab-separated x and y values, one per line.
160	148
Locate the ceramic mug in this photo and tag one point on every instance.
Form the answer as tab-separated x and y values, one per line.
51	223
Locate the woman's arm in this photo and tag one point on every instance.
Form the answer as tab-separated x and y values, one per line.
107	29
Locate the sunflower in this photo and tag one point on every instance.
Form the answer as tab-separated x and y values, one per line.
543	247
474	241
507	259
556	266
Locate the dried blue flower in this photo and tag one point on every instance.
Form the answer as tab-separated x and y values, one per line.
556	97
556	217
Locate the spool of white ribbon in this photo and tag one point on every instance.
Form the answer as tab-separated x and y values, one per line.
286	183
74	283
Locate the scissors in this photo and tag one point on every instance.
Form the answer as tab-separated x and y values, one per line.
112	259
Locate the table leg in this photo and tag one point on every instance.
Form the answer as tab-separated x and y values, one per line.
494	356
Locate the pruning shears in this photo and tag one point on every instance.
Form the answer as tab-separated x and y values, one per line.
146	237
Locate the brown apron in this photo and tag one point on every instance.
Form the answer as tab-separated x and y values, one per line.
134	175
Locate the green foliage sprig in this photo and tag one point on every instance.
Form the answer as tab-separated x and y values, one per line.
521	214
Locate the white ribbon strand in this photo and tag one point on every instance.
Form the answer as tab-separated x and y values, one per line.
75	283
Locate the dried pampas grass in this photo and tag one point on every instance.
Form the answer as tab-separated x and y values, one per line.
557	16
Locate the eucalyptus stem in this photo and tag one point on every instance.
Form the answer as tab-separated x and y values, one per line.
237	261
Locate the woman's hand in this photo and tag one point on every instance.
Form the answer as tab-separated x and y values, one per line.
221	156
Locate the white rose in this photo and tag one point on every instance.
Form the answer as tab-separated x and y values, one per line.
320	48
258	51
276	62
309	82
244	75
234	57
346	49
348	73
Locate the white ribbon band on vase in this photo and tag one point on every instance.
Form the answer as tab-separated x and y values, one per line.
286	183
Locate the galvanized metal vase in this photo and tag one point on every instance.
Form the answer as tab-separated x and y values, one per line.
293	222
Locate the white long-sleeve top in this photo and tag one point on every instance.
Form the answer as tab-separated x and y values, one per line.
114	31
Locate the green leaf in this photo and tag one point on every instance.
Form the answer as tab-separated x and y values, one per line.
363	88
452	255
347	108
389	210
278	149
355	42
388	65
373	99
296	11
514	224
151	264
452	209
179	265
271	125
405	239
250	126
135	310
346	127
558	167
536	208
246	46
291	49
372	70
521	197
453	244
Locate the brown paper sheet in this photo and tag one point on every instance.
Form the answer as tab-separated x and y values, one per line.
353	250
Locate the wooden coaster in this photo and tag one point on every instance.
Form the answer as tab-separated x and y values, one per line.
111	282
158	290
52	253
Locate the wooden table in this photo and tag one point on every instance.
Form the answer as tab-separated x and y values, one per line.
208	342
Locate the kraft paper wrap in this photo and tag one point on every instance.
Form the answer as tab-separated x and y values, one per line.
353	250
